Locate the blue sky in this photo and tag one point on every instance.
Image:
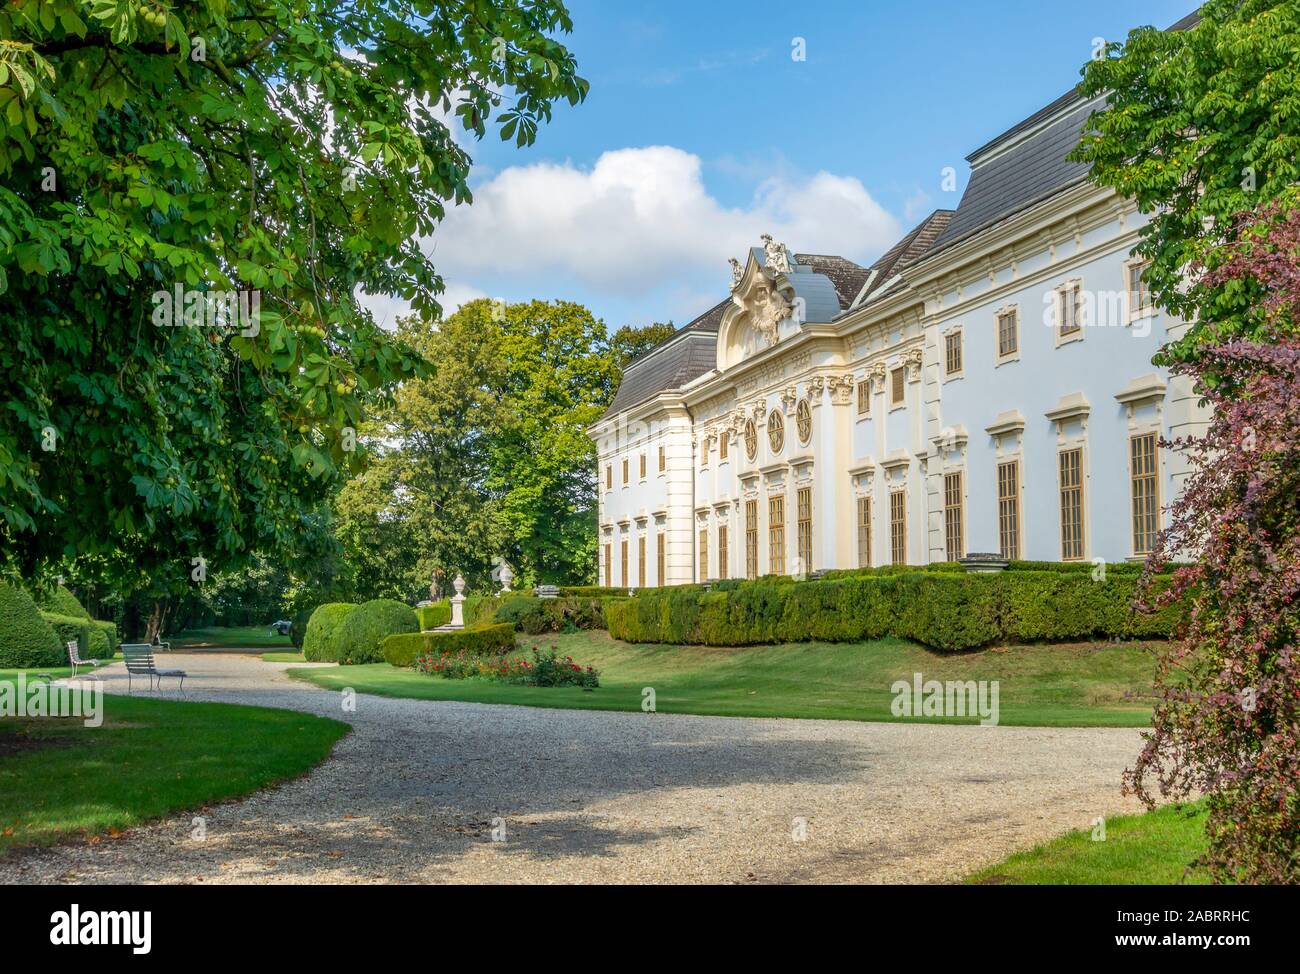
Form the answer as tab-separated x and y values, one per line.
702	131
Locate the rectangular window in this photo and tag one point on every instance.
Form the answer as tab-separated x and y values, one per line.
640	560
864	397
609	563
897	386
803	503
953	526
1143	467
609	476
776	535
641	472
723	553
751	539
864	532
1139	295
952	352
1008	334
722	447
663	459
704	554
661	554
625	467
1072	504
898	527
623	579
1067	310
1009	509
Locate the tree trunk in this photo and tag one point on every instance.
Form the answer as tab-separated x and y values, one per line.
153	628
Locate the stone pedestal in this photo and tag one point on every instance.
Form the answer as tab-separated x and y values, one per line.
457	607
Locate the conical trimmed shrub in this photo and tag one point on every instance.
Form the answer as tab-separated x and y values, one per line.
26	640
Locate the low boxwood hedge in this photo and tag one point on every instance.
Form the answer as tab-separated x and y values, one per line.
534	616
403	649
358	637
319	643
942	609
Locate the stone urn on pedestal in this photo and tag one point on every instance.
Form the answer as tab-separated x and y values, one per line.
458	604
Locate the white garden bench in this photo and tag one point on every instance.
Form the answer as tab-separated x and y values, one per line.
139	662
74	656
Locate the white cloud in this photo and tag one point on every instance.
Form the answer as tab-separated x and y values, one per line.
642	217
388	309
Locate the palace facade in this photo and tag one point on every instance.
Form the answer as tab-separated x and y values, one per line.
985	386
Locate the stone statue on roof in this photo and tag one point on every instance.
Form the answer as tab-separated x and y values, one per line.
775	257
736	272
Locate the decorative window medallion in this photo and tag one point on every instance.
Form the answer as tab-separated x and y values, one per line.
803	421
776	432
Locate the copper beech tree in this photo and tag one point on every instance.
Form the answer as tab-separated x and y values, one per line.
1227	720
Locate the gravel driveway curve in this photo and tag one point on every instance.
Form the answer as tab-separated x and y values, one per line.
432	792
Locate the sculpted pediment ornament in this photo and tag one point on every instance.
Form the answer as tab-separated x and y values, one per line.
775	256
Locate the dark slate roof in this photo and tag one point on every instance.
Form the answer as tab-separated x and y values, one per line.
914	245
845	276
1024	173
687	354
1002	183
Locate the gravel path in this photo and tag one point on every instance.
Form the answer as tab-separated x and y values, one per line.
414	793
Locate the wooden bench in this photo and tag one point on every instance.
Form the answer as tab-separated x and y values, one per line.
139	662
74	656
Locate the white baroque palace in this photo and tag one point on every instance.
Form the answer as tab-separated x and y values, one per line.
985	386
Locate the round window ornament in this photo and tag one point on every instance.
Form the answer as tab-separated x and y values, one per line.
776	432
803	421
751	439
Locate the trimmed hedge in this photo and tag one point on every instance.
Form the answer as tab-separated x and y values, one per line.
357	639
68	628
319	643
26	639
942	609
404	648
435	615
535	616
590	591
103	638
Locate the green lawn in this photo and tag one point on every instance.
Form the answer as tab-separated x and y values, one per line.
1150	849
294	657
60	779
234	637
1066	686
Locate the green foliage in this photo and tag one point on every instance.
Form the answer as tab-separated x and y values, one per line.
631	342
435	615
357	639
63	602
26	639
492	640
103	638
533	615
1200	125
320	643
69	628
590	591
276	147
944	610
492	454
